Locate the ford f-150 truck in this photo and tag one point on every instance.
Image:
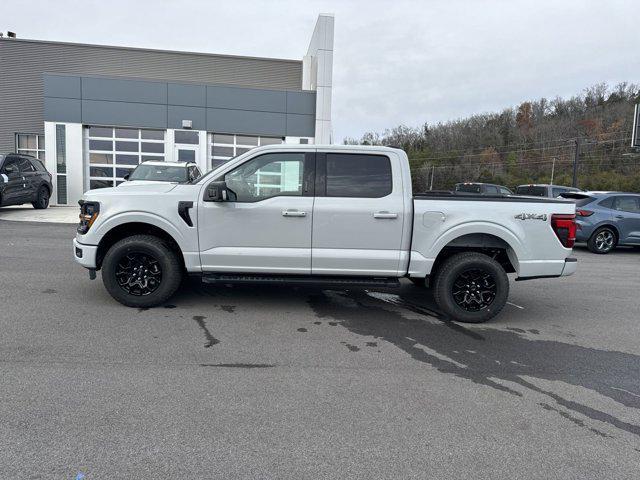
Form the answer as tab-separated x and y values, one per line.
339	216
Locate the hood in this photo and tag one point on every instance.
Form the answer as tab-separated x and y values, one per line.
142	188
135	183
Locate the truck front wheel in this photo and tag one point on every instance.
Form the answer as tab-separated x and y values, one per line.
141	271
471	287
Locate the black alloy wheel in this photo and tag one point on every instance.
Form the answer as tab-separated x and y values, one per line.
474	289
138	273
42	200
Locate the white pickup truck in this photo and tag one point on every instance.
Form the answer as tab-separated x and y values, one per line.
339	216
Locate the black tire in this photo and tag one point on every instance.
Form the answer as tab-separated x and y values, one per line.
418	282
42	200
487	283
602	241
126	262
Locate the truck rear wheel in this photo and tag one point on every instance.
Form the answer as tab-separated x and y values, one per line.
471	287
141	271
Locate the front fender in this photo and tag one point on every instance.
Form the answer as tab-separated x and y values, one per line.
140	217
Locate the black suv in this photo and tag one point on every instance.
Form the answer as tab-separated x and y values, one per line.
24	179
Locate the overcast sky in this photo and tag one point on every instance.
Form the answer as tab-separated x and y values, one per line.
395	61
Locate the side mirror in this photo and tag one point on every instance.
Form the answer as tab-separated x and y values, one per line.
126	177
216	192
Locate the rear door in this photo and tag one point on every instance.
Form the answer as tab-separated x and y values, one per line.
31	177
358	215
627	218
265	227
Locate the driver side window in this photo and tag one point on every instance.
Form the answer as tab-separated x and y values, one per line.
11	166
266	176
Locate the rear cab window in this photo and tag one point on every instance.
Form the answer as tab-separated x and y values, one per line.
468	188
358	175
532	191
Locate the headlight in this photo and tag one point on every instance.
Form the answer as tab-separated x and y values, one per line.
88	214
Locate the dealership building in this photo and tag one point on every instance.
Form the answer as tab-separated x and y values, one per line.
93	112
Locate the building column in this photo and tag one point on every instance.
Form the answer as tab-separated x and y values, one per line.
317	74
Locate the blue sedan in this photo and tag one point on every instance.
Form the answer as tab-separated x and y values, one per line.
606	219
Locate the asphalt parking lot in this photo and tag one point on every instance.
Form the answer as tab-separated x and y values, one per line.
279	382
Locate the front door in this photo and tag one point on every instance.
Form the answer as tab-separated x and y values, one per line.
265	226
358	215
15	190
627	218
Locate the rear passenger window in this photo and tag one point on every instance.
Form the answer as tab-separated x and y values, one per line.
607	202
365	176
25	165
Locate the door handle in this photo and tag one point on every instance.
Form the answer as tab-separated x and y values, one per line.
385	214
619	216
293	213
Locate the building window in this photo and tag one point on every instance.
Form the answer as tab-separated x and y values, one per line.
115	152
224	146
30	144
61	164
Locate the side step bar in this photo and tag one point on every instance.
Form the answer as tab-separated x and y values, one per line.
322	280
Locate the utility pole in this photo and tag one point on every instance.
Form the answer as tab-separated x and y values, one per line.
433	172
575	163
553	169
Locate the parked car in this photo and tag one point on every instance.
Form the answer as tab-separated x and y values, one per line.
24	179
179	172
606	219
482	188
252	219
544	190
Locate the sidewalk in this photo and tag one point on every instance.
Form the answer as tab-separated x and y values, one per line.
26	213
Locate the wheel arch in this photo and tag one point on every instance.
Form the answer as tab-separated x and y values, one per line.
488	244
610	225
128	229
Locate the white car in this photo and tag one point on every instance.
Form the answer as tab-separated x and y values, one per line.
329	215
172	172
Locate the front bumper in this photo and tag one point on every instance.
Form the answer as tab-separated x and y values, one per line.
85	255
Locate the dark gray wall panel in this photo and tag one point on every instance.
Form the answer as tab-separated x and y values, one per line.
177	113
61	86
188	95
62	110
301	125
246	99
242	121
301	102
21	93
97	112
116	90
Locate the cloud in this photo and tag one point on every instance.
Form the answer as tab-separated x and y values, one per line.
395	61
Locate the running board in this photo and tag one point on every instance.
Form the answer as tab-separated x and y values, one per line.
322	280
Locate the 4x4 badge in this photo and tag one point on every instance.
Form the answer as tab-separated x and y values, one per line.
532	216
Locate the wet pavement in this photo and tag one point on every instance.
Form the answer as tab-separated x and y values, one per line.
287	382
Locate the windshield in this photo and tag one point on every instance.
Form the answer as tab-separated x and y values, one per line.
468	188
161	173
532	191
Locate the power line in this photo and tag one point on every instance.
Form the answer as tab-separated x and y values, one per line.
569	145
